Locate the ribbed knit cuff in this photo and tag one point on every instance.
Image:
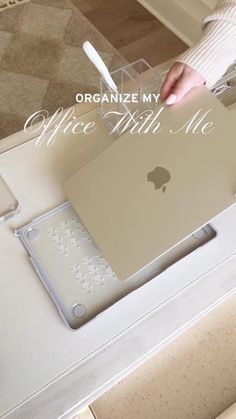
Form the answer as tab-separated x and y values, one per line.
215	52
224	10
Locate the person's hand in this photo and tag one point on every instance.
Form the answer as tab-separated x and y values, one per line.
180	79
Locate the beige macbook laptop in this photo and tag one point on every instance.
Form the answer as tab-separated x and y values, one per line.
146	193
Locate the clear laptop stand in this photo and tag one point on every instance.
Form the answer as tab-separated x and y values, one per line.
79	280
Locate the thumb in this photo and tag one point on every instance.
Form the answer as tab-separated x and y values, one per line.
184	84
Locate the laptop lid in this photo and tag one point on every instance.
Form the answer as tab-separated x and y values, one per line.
147	192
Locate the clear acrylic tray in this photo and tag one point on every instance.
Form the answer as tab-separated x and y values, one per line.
133	81
79	280
139	78
225	88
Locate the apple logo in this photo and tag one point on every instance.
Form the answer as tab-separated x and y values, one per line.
159	176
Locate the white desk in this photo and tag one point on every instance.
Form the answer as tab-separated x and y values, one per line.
183	17
48	371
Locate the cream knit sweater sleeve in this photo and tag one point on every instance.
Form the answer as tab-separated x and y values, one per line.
216	50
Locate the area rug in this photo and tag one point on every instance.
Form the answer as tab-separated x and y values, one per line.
42	64
4	4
